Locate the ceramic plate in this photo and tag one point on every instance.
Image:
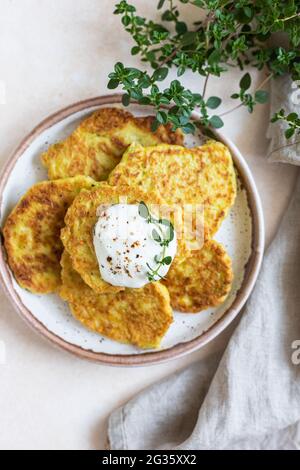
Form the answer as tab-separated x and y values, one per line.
241	233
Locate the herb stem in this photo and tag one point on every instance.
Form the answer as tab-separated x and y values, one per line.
296	15
286	145
170	57
231	110
266	80
155	272
205	85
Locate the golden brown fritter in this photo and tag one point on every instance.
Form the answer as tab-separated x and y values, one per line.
77	236
99	142
32	232
137	316
202	176
201	280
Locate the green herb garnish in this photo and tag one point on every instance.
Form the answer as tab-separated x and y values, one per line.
225	34
162	236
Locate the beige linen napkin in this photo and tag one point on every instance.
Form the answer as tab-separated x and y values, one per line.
250	399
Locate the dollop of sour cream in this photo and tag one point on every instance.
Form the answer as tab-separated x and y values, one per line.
125	247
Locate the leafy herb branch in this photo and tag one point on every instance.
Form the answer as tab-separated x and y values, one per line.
231	34
292	120
163	234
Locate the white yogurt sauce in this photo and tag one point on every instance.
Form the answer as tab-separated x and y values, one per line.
124	246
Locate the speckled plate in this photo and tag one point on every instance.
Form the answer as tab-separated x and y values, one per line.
242	233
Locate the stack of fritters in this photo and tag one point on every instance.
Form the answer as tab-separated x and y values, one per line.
156	169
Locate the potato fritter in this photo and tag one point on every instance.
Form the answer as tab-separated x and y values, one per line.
32	232
77	236
99	142
137	316
201	280
202	176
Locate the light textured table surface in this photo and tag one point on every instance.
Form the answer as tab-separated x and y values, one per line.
52	53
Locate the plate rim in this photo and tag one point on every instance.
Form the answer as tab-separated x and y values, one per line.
154	357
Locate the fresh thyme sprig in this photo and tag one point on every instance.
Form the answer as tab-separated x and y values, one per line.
162	237
227	34
292	120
